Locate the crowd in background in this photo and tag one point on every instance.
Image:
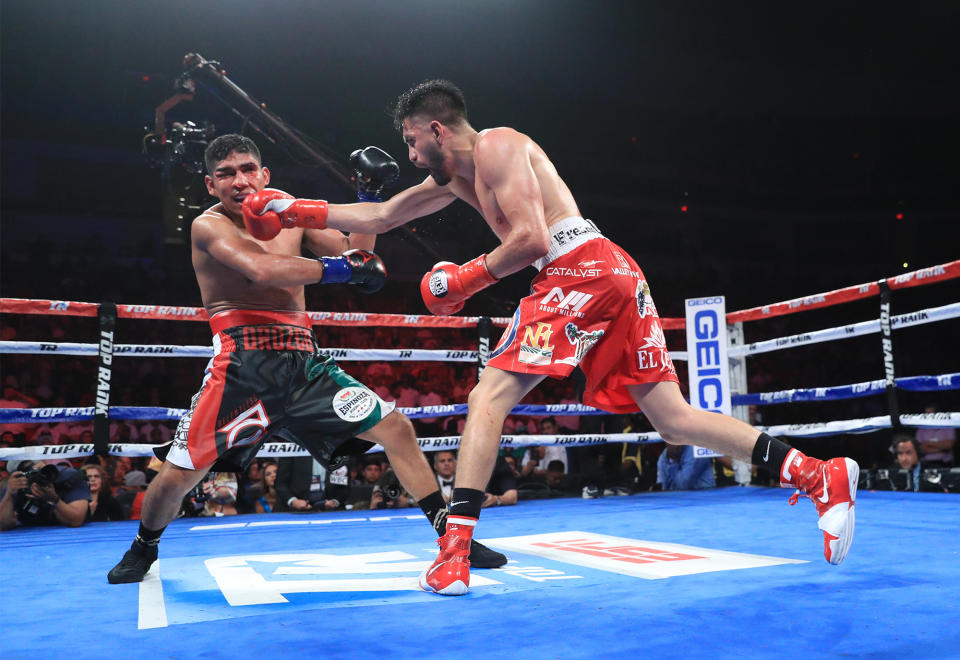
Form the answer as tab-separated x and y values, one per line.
30	381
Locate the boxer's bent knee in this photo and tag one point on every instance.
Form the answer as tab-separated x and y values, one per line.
392	429
173	480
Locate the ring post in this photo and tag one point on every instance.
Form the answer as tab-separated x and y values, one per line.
107	317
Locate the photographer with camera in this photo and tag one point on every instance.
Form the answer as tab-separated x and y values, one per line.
41	495
388	493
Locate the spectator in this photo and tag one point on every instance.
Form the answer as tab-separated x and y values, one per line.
678	469
560	483
44	437
568	423
267	502
370	471
536	459
155	433
221	495
511	462
123	432
7	439
102	505
38	494
13	398
907	457
409	396
501	490
303	484
66	433
115	467
430	426
445	467
251	485
132	492
388	493
936	445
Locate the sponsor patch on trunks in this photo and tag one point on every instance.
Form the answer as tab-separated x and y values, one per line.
353	404
535	348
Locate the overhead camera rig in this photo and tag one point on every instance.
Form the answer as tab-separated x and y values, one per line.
178	149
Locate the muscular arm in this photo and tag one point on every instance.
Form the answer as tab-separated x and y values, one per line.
377	218
222	241
330	242
503	165
71	514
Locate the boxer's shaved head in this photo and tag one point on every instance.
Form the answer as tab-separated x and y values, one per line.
225	145
434	99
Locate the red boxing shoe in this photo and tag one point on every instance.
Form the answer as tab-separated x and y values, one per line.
832	485
449	575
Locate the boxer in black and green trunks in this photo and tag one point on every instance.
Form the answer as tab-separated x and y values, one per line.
266	377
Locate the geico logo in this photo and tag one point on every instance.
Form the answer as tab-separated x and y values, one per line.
706	324
704	301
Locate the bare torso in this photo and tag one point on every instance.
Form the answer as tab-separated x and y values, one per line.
558	202
223	288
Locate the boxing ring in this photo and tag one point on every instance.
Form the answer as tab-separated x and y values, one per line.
730	572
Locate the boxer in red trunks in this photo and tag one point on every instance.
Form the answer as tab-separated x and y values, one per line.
266	377
590	306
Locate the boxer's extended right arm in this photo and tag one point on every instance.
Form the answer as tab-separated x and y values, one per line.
373	218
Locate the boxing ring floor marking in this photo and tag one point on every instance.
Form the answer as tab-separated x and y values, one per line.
602	578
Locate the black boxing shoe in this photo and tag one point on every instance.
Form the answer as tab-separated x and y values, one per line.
134	565
483	557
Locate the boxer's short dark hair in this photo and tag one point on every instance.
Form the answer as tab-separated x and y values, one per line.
224	145
437	99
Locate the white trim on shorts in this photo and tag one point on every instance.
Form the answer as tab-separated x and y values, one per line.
566	236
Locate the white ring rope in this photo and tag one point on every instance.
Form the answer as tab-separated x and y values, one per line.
285	449
920	317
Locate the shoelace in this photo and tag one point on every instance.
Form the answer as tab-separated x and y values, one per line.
795	497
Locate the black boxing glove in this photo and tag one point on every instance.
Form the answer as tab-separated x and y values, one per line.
361	268
373	168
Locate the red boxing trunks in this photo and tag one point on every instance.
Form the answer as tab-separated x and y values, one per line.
590	306
266	379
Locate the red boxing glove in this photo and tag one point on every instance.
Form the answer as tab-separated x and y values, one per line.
447	286
267	212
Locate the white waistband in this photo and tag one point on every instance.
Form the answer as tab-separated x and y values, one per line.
565	236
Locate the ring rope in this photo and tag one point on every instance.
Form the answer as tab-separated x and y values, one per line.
166	313
920	317
285	449
161	350
852	391
855	390
919	277
916	278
